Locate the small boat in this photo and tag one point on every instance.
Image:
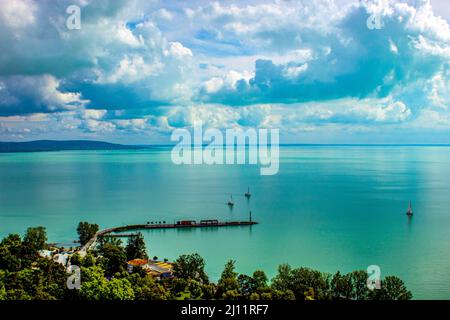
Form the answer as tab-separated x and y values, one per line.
248	194
409	213
230	201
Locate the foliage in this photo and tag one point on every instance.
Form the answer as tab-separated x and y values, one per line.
359	285
88	260
24	275
76	259
86	231
341	286
190	266
228	285
146	288
11	253
35	239
392	288
136	247
114	258
304	283
2	292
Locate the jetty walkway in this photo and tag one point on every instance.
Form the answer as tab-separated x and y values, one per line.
178	225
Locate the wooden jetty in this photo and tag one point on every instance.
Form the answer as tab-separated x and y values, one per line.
161	225
118	235
185	224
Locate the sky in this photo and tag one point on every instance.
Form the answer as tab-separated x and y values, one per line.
323	71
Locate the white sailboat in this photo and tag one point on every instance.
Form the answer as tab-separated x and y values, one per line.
410	210
248	194
230	201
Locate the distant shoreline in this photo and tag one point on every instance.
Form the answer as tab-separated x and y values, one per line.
66	145
92	145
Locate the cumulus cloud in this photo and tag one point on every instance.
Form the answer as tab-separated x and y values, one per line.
109	54
33	94
139	67
353	61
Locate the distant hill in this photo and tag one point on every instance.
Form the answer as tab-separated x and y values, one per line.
53	145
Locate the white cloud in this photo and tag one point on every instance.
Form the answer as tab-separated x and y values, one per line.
19	14
31	94
176	49
164	14
148	66
131	69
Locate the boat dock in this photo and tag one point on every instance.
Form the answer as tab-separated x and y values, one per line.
161	225
185	224
119	235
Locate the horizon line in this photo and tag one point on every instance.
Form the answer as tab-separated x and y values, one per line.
206	144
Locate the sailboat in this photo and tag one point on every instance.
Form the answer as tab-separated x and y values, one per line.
230	201
248	194
410	210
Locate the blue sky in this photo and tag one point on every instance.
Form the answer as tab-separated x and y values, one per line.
137	70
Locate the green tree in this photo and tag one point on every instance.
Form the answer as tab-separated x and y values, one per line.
257	283
76	259
195	289
359	284
305	278
254	296
88	260
52	278
94	283
2	285
44	281
266	296
114	258
245	283
178	288
300	280
2	292
146	288
11	253
341	286
228	285
259	280
190	266
392	288
119	289
35	239
108	240
228	271
230	295
310	294
86	231
95	286
135	248
282	281
209	291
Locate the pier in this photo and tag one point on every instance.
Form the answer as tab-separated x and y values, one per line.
182	224
119	235
185	224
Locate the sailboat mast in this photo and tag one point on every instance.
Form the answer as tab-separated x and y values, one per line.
410	210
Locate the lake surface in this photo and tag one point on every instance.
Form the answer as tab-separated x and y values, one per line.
329	207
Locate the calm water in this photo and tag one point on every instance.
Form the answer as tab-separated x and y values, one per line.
330	208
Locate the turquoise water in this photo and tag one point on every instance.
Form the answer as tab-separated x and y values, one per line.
331	208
